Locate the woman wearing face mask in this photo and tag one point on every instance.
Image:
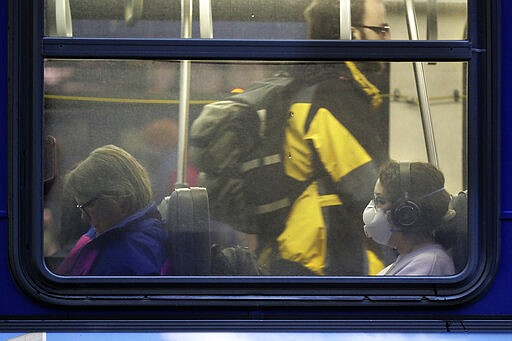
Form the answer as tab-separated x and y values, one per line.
410	204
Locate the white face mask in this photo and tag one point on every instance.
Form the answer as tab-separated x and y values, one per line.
376	223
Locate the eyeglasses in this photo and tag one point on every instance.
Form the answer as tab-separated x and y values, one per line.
83	206
381	30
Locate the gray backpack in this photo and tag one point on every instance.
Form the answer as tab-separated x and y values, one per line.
236	144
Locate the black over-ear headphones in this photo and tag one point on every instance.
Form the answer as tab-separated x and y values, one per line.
405	212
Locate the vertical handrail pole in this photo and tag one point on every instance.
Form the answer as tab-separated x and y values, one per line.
432	20
205	19
63	20
345	20
421	88
133	11
186	32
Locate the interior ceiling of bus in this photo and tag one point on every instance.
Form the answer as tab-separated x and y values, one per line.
255	10
168	9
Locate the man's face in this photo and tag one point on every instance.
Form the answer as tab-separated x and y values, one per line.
374	17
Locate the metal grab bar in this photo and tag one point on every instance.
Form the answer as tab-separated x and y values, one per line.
345	20
63	24
132	11
432	20
205	19
421	88
186	32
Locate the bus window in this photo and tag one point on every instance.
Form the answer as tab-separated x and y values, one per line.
227	19
250	163
134	105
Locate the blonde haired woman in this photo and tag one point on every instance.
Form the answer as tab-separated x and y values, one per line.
126	235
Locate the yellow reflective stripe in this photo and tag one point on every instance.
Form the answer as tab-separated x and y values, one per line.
266	161
329	200
271	159
273	206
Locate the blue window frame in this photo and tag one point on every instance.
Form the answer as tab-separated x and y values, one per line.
32	50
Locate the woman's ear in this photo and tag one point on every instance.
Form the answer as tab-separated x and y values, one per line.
124	206
116	206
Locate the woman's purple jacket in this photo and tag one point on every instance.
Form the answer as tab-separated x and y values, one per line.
134	247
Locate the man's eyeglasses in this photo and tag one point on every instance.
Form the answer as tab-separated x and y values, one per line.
381	30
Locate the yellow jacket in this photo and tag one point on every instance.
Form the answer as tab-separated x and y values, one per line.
329	129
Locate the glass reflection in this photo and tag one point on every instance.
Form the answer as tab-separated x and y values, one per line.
232	19
349	118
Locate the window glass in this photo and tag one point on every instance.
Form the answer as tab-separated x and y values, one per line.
135	104
231	19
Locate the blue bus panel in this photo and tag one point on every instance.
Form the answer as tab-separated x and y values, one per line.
34	297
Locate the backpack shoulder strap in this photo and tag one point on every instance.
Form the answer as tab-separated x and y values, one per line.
262	93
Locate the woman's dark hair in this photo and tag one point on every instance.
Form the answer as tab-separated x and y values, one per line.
425	180
323	17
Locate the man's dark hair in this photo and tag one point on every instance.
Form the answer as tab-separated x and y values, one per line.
323	18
